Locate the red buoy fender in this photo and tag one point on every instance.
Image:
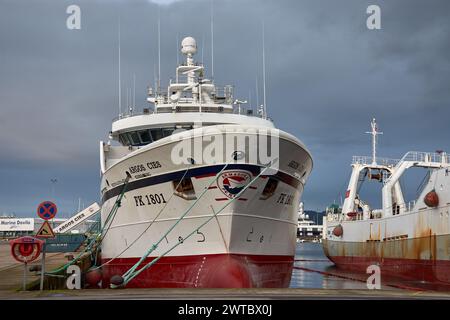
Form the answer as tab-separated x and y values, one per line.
93	277
431	199
338	231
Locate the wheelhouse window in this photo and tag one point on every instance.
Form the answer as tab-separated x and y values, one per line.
123	138
144	137
134	138
167	132
156	134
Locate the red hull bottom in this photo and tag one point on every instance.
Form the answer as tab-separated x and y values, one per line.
432	271
206	271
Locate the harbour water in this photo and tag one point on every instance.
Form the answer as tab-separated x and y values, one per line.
312	270
309	256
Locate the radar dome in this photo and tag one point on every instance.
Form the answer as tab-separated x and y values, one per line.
188	45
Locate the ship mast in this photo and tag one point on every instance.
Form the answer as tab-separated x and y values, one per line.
374	134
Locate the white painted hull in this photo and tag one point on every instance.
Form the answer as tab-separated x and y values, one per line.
248	226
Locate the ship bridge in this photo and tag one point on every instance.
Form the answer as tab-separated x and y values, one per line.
190	101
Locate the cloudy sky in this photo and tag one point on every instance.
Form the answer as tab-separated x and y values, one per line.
327	76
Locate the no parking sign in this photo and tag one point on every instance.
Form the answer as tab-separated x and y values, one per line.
47	210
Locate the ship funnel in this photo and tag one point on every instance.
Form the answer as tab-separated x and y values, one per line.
189	46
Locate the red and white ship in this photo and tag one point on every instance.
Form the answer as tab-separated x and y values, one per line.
205	201
406	239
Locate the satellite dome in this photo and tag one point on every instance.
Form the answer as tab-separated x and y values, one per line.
188	45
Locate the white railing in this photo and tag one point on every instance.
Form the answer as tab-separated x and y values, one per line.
368	160
411	205
426	157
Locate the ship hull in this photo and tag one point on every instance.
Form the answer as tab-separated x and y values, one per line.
418	259
218	238
208	271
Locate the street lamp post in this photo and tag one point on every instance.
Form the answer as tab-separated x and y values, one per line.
53	181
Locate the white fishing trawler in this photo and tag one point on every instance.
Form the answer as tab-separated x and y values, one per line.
410	239
192	197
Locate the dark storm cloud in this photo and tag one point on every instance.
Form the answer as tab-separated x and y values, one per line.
327	76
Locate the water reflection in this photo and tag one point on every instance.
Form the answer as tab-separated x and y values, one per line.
311	261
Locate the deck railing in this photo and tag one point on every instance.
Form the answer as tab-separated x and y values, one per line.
369	160
426	156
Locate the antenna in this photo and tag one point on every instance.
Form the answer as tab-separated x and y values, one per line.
212	39
264	70
134	92
178	50
128	101
155	79
203	47
120	85
374	134
257	93
159	49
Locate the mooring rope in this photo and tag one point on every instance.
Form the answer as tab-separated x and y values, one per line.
98	239
154	246
146	229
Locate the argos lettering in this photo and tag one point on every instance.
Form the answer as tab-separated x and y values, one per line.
69	223
153	165
139	168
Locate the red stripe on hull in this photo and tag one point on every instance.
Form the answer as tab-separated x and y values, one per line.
207	271
433	271
205	175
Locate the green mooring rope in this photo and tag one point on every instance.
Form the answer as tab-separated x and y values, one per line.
154	246
99	238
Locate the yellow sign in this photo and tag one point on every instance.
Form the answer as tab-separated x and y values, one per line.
45	231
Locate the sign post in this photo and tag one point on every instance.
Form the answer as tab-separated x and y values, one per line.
24	286
46	210
26	249
41	285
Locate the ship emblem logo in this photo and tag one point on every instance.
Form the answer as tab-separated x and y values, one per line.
233	182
